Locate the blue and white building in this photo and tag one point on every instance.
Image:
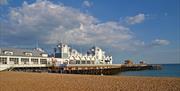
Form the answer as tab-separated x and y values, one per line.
13	57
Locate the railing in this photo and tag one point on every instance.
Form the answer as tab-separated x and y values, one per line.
5	67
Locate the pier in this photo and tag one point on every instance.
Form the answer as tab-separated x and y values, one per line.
66	61
88	69
101	69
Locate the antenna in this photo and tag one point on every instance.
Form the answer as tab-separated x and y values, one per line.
61	39
1	38
95	43
109	51
37	44
55	50
81	50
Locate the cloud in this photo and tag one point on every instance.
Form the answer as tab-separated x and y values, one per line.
50	23
135	19
160	42
87	3
3	2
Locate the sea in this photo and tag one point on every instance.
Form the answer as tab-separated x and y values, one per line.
168	70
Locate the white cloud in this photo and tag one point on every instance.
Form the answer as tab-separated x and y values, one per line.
50	23
3	2
87	3
135	19
160	42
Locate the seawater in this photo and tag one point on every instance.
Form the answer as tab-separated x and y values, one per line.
168	70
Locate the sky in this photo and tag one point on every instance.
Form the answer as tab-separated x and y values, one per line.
146	30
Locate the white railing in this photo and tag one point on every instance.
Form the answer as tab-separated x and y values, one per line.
8	66
4	67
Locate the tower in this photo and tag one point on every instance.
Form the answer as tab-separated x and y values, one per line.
64	50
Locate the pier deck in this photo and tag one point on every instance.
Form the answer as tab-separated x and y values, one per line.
97	69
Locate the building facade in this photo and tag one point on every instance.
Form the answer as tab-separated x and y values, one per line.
94	55
12	57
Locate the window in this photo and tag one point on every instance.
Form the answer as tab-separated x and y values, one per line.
83	62
77	62
3	60
88	62
43	61
14	60
28	53
44	55
71	62
34	61
8	52
25	60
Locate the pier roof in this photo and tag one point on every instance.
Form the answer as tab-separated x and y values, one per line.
21	52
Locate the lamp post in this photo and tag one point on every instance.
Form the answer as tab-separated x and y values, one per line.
55	51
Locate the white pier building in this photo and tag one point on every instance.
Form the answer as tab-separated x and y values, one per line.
12	57
94	55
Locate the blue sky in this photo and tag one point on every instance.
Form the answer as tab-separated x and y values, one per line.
126	29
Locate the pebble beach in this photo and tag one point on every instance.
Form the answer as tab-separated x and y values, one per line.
22	81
